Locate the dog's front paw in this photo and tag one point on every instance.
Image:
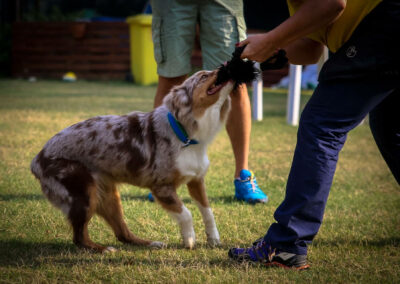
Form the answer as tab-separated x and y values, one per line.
213	237
213	242
189	242
109	250
157	245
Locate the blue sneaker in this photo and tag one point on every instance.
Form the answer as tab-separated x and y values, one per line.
247	189
263	253
150	197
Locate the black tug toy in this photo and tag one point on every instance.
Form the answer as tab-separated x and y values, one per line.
243	71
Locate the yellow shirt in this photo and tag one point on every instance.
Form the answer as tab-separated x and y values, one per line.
337	33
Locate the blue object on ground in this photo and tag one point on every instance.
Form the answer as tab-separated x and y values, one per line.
247	189
150	197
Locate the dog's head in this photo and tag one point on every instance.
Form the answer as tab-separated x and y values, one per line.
199	96
202	102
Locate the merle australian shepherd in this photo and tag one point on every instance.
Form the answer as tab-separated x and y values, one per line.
80	167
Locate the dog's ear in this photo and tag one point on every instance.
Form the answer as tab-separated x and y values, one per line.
179	99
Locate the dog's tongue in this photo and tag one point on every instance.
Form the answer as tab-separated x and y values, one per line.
213	90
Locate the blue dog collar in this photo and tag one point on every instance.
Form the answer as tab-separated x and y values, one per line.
180	131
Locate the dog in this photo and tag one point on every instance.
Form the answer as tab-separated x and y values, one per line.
80	167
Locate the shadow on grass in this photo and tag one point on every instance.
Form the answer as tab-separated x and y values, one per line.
22	253
125	197
213	200
154	263
17	253
18	197
394	241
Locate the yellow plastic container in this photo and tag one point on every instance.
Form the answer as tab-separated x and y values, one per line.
143	64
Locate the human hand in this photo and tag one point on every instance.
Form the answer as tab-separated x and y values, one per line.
259	47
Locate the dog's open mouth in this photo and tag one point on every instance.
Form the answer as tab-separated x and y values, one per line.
214	88
237	70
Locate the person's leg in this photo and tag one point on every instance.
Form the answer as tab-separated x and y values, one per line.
164	86
238	127
385	127
173	33
334	109
219	31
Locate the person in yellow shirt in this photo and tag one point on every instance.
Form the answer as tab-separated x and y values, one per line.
361	77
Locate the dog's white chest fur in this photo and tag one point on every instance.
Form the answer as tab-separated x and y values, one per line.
193	161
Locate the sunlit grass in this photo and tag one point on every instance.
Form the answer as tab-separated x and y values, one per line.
358	241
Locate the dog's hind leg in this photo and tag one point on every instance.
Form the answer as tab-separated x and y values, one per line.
198	193
82	210
80	183
110	208
69	185
169	200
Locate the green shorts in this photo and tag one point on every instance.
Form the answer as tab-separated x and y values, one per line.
174	29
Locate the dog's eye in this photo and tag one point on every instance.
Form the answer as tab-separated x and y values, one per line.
203	77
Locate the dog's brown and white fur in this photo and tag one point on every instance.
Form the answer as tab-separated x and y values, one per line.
80	167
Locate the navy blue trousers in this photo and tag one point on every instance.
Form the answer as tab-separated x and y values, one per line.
333	110
344	96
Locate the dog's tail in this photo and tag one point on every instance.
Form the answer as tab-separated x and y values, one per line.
36	168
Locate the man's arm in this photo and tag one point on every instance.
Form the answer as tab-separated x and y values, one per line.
311	16
304	51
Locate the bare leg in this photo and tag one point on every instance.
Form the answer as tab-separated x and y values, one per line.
164	86
238	127
198	193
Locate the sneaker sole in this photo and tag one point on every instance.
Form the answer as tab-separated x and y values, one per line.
281	265
268	264
252	201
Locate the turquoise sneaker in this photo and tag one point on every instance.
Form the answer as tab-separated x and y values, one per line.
150	197
247	189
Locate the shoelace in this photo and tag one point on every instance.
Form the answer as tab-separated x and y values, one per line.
259	249
253	183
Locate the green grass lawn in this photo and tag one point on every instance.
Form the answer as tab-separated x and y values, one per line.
358	241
